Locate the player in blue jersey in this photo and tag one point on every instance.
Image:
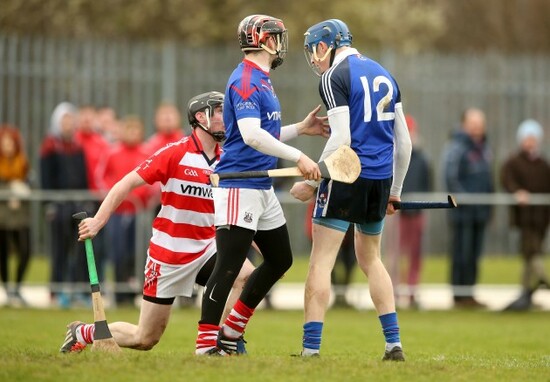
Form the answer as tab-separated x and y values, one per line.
364	109
247	210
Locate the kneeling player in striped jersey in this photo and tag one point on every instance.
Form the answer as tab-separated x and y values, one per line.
182	250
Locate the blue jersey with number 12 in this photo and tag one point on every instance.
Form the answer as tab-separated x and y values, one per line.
371	94
248	94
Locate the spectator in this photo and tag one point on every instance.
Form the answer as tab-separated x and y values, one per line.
405	263
526	172
14	213
468	170
63	167
168	125
168	130
108	124
120	231
95	147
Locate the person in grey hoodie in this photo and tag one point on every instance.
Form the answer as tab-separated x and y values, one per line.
467	162
62	167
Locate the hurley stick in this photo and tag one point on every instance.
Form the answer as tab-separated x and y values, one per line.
343	165
421	205
103	339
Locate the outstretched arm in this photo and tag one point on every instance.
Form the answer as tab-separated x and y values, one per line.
311	125
259	139
89	227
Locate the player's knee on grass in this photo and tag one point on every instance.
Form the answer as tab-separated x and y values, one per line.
147	343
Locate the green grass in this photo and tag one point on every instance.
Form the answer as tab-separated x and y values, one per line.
494	270
440	346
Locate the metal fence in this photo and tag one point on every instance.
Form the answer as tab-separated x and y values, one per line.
134	77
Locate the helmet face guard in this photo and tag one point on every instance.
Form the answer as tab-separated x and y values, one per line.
334	33
255	30
207	103
312	58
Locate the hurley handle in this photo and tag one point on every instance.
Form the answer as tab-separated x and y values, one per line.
422	205
92	272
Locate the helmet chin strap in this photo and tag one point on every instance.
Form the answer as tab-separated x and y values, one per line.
218	136
332	55
276	62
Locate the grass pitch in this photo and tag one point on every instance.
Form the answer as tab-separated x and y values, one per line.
439	346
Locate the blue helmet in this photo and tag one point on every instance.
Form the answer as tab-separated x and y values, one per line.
333	32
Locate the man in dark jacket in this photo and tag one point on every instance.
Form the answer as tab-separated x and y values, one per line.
468	170
526	172
63	167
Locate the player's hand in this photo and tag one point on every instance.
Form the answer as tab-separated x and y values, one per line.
88	229
309	168
302	191
314	125
390	210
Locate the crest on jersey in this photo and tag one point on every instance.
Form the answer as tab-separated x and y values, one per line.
248	217
321	200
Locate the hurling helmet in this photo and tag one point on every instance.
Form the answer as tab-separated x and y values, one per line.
206	102
334	33
254	30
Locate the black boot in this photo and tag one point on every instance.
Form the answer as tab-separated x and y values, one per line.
521	304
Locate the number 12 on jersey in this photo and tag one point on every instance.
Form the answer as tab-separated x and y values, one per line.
382	103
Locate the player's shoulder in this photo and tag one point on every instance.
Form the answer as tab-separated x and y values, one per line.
173	148
247	72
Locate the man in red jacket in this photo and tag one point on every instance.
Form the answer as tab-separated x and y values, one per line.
168	125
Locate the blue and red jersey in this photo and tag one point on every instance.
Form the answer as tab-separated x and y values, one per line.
249	94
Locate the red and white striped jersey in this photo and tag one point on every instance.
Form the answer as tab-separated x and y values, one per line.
184	228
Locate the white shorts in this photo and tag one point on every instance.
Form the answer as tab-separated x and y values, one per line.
257	210
167	281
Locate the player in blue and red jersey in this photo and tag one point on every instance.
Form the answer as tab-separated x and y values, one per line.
365	112
247	209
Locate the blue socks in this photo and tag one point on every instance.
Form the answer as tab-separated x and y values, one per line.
390	328
311	341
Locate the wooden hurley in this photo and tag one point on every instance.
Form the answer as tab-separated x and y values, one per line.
343	165
103	339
